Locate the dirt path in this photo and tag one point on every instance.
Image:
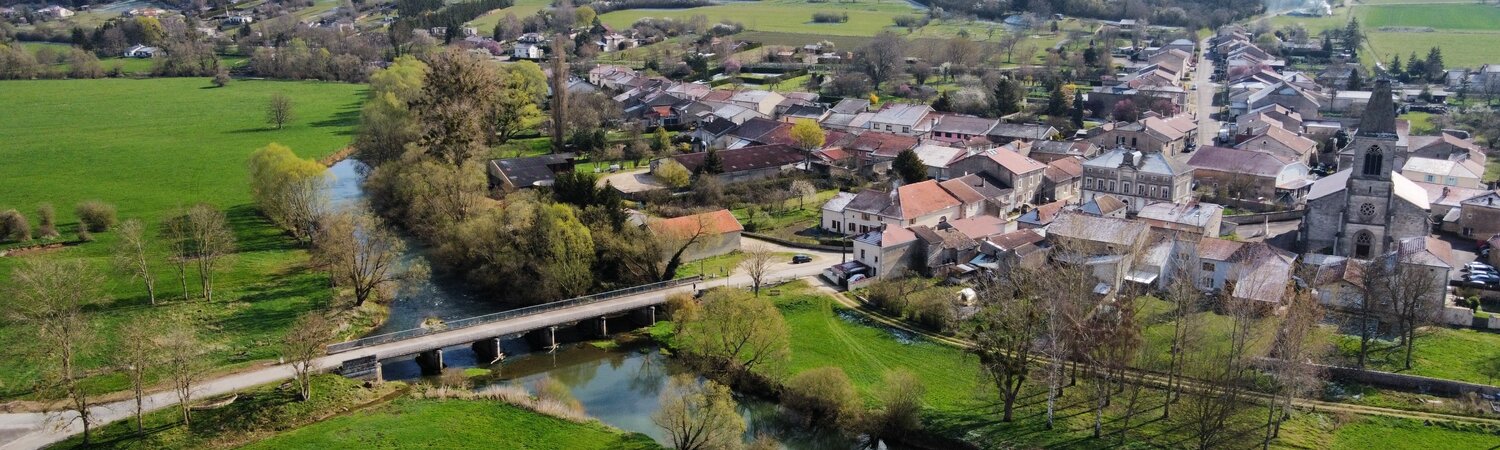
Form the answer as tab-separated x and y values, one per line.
1160	381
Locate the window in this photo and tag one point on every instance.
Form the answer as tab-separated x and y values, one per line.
1367	210
1132	142
1140	189
1111	185
1153	191
1125	185
1363	240
1431	179
1373	160
905	129
1088	183
861	253
1208	267
1452	181
865	216
836	225
851	226
1468	231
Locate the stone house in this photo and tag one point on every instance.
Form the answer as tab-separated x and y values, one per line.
902	118
1023	175
1137	178
1253	175
1480	216
712	233
1194	217
1063	180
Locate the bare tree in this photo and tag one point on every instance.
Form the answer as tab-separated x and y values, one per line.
175	231
211	242
1116	335
362	254
279	110
137	355
699	416
803	189
130	255
1410	294
757	265
882	58
1183	295
303	344
51	298
181	358
1222	374
1003	332
681	238
1293	358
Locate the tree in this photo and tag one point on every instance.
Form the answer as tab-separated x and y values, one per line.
517	107
660	142
138	355
585	15
961	52
738	332
1396	67
672	173
882	58
824	396
46	217
1434	65
699	416
1007	97
303	344
210	241
559	93
757	265
1057	101
807	135
803	190
386	122
13	226
1078	109
455	107
221	77
51	299
182	358
279	110
131	258
1352	36
1292	357
943	103
1407	292
95	216
900	393
909	166
713	164
1003	331
362	254
920	72
287	189
1356	83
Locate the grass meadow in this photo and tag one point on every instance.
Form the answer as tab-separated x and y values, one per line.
1466	32
148	147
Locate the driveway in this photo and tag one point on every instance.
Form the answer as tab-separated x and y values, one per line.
637	180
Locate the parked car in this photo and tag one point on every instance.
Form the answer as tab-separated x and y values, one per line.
801	258
1477	266
1488	279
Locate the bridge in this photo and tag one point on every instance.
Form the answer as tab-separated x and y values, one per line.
28	430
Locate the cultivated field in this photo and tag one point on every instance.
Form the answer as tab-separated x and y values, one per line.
790	16
522	8
149	146
1466	32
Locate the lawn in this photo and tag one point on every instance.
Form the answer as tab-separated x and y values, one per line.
411	423
1464	32
959	402
149	146
255	414
795	216
1465	355
1421	122
1448	17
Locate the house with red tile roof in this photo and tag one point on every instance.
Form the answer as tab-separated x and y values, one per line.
708	234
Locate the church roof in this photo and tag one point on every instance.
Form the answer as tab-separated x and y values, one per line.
1402	187
1380	114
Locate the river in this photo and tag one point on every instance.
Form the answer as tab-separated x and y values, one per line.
620	387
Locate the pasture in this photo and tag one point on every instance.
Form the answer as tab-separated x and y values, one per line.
787	16
148	147
1465	32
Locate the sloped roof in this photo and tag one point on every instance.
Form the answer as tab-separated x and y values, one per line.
1109	230
1032	131
1016	239
920	199
938	155
1101	205
979	227
1064	169
1044	214
883	144
839	201
747	158
1380	114
1216	249
714	222
1233	160
963	124
888	237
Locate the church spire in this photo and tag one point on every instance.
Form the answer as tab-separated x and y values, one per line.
1380	114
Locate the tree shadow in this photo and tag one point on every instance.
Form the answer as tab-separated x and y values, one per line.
256	234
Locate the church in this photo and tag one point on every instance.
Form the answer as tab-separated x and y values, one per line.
1367	209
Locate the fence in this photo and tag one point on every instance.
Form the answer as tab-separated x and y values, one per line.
506	315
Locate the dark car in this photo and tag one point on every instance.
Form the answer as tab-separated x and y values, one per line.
801	258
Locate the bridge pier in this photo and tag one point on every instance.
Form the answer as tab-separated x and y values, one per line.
487	351
646	316
603	327
431	362
544	338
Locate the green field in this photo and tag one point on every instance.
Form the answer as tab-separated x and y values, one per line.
790	16
409	423
1464	355
1466	32
960	403
149	146
522	8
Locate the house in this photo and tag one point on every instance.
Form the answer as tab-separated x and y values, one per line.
1151	134
1250	271
923	203
1445	203
878	148
55	12
744	164
1104	245
140	51
1480	216
1042	216
1464	173
1048	151
938	157
1004	133
714	134
1247	174
1063	180
1138	178
711	234
529	172
760	101
796	113
1193	217
901	118
1285	145
1104	206
1020	248
524	50
1344	283
943	251
956	128
1022	174
885	251
981	195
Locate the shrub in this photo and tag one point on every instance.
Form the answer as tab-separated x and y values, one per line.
824	396
673	174
96	216
933	310
900	395
13	226
830	17
549	390
46	216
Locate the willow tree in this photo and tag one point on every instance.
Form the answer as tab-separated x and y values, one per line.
287	189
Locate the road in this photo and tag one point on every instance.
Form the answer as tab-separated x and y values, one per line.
1202	99
34	430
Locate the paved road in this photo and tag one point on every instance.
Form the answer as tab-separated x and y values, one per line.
34	430
1202	99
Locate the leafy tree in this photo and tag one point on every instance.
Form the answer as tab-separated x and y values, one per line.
1057	101
1396	68
699	416
1356	83
1078	109
1434	65
541	252
738	332
455	106
824	395
287	189
1007	97
672	173
806	134
943	103
518	103
909	166
1352	36
660	142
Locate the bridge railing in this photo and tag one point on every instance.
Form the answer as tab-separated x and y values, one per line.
507	315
